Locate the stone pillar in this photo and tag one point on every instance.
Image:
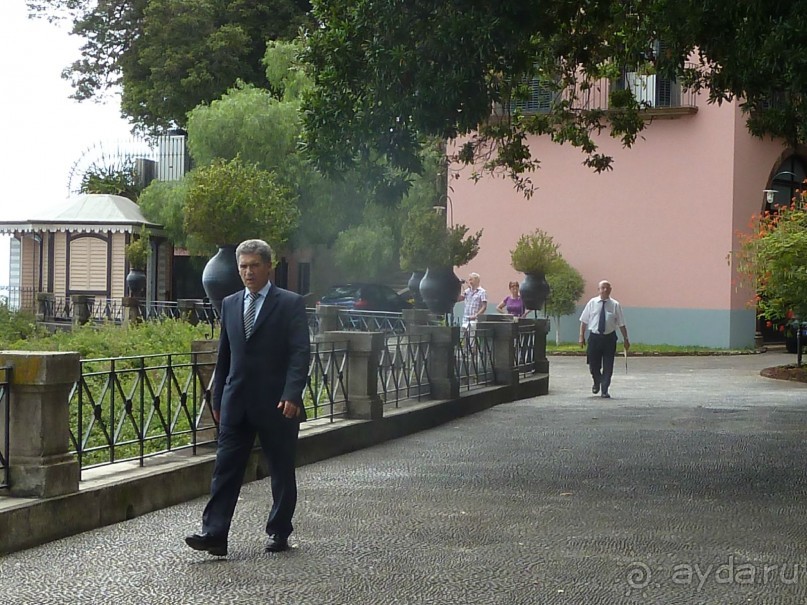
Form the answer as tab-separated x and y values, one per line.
39	430
539	353
44	306
82	308
415	317
504	351
364	357
187	310
444	342
327	318
130	309
204	353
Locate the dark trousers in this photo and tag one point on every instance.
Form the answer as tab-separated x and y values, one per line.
600	355
279	445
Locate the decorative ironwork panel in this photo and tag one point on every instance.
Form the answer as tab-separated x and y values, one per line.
18	299
106	309
525	349
5	408
159	309
62	308
403	371
326	392
313	321
473	358
131	408
372	321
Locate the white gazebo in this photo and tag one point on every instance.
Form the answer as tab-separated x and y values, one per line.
80	249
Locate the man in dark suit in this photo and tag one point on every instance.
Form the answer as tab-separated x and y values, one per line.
260	376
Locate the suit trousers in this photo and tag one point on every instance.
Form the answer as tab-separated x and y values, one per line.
279	444
600	355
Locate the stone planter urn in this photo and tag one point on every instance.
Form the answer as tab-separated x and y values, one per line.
440	289
534	291
136	282
220	276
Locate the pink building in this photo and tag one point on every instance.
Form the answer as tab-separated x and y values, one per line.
660	226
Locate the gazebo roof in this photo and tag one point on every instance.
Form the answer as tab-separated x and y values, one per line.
89	212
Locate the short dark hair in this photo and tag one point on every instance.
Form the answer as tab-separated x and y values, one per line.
255	246
512	283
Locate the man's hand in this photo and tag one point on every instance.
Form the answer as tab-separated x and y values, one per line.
582	341
216	415
289	409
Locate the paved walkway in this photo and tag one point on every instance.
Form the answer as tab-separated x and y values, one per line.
687	487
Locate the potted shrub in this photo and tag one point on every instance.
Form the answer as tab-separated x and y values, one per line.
535	255
228	202
428	244
137	255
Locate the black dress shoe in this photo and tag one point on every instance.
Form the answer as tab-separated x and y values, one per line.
213	545
277	543
596	388
605	395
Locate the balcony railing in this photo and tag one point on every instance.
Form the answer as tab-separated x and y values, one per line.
656	94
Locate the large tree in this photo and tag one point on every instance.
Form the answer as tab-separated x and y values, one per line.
388	72
171	55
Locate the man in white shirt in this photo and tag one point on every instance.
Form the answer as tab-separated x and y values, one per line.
476	302
602	315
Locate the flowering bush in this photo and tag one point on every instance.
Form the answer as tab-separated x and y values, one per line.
772	259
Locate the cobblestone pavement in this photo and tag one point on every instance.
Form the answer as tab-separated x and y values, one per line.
687	487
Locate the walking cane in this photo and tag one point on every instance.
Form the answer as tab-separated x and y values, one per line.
625	352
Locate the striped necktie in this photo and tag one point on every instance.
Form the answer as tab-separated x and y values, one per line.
249	316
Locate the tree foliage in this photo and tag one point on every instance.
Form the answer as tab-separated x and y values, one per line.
171	55
566	286
113	177
230	201
388	72
772	259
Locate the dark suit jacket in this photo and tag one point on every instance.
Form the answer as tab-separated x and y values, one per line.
253	376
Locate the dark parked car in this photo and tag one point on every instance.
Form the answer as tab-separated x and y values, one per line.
791	335
367	297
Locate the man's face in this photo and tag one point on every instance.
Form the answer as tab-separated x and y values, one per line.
254	271
605	290
473	281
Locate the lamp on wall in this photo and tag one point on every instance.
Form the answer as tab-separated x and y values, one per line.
769	195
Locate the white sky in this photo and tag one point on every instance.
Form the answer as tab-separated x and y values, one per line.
42	131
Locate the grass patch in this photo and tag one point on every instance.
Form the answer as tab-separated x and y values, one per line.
573	348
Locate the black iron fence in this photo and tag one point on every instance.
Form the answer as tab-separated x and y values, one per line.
372	321
326	392
473	358
96	309
132	408
524	345
5	407
18	299
403	370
